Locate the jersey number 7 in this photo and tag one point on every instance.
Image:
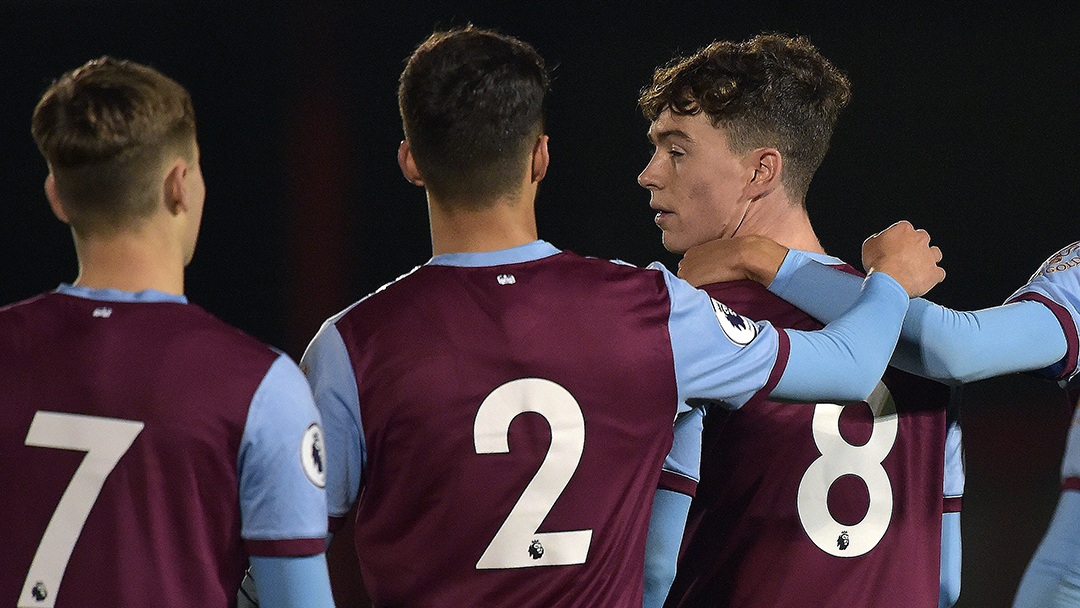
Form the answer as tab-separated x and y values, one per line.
105	441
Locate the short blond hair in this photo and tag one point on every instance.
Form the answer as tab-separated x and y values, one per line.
105	129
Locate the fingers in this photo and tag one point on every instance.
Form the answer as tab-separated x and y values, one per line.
731	259
904	253
711	262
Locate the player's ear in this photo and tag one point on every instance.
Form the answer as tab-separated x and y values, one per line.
175	187
408	164
765	165
53	195
540	159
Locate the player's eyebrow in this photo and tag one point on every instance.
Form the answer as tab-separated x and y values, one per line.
659	137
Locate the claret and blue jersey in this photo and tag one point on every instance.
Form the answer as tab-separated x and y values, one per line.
149	449
501	419
1035	330
1056	285
820	504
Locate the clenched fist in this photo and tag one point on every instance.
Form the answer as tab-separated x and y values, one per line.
905	254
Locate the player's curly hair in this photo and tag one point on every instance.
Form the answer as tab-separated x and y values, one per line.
770	91
105	128
472	106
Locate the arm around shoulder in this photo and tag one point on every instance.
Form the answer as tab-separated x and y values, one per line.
844	360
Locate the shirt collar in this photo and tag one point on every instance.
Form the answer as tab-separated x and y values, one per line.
117	295
515	255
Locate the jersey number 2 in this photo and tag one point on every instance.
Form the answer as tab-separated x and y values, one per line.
839	458
105	441
517	544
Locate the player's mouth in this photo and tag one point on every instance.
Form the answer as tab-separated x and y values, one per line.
662	217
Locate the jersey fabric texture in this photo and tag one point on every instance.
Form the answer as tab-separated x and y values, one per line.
507	416
148	449
776	523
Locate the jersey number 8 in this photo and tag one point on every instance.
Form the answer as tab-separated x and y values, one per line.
839	458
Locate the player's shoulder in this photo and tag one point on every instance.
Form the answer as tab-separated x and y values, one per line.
1065	261
198	330
387	295
22	321
22	309
614	276
1057	279
614	265
22	304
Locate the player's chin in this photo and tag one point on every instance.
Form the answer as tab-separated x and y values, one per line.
673	244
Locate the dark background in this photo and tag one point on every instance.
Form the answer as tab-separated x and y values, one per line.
963	119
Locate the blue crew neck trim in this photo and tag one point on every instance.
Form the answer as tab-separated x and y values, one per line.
515	255
117	295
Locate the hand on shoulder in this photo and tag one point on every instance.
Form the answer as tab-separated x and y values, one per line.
730	259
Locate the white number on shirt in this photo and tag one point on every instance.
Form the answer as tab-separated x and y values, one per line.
839	458
517	544
105	441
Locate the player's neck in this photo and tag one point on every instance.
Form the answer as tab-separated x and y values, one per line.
782	221
130	262
502	225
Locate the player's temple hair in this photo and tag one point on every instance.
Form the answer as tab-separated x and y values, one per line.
770	91
472	107
106	129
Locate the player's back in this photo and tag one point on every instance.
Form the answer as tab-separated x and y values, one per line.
123	422
816	505
516	418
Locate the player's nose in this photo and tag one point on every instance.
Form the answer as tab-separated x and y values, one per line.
648	178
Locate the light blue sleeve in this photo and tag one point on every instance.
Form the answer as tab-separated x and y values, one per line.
719	355
670	506
945	344
844	360
1057	285
292	582
666	528
724	357
1052	579
330	372
950	560
684	459
935	342
280	460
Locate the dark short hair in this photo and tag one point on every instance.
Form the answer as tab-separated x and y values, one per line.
769	91
105	129
472	106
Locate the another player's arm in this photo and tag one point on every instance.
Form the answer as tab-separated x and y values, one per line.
292	581
282	502
735	360
935	342
899	259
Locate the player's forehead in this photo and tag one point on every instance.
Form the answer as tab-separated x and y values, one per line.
680	128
